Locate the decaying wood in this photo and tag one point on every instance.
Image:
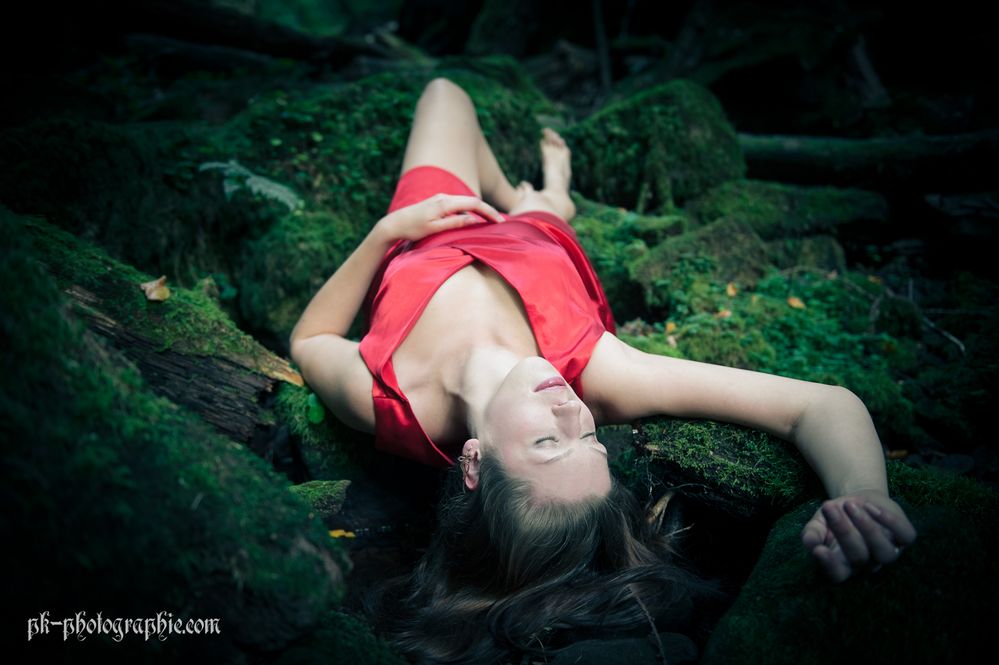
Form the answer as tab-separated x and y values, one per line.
232	394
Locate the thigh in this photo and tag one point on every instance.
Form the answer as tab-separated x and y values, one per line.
445	133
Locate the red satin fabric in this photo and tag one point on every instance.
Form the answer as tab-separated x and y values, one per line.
535	252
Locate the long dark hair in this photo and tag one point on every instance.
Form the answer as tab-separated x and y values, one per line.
506	571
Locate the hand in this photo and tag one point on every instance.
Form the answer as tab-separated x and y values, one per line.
857	532
440	212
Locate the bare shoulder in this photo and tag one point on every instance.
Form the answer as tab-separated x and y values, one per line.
334	370
621	383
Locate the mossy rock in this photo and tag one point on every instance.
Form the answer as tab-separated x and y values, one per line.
738	470
935	605
775	210
673	274
341	146
116	500
655	150
818	252
134	189
284	268
613	238
325	496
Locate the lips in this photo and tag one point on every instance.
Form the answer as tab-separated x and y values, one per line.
550	384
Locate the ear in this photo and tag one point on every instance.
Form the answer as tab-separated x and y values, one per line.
472	452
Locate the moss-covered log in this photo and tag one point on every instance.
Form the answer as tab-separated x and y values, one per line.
187	349
961	162
115	500
775	210
935	605
736	470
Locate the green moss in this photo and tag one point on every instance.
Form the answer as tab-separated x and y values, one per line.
774	210
656	149
341	146
330	449
133	189
613	238
820	252
787	613
284	268
679	274
752	469
118	500
189	321
325	496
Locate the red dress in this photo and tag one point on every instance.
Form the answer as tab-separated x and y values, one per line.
536	253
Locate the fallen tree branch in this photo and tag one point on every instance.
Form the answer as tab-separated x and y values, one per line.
931	163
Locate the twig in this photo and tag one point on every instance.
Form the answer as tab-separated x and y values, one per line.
655	632
946	334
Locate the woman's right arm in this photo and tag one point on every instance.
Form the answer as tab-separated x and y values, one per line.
331	364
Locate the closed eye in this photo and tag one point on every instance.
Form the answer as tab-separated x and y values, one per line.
545	439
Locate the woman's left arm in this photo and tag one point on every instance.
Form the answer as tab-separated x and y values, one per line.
859	527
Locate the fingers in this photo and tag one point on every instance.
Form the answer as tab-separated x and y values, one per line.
443	205
833	564
815	532
898	525
850	540
880	547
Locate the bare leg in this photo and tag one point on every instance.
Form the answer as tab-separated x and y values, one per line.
556	164
446	134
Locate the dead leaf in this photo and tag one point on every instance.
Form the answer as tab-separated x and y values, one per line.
671	340
874	279
342	533
670	327
897	454
723	314
156	290
731	289
795	302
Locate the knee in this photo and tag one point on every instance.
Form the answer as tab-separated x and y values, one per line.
441	87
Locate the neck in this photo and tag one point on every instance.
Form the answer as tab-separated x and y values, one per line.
484	369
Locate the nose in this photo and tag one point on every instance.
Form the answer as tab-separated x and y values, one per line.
567	415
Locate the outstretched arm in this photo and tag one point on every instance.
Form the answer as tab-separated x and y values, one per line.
859	527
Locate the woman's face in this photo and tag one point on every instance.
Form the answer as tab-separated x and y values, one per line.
543	433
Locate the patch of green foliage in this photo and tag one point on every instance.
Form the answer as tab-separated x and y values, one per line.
615	238
676	274
117	500
830	339
788	613
656	149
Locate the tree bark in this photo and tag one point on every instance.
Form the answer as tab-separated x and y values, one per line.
186	349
